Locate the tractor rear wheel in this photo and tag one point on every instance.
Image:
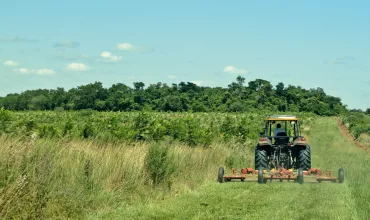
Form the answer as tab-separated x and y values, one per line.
260	159
220	177
304	158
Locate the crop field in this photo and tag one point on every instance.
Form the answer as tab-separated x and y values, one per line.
95	165
193	129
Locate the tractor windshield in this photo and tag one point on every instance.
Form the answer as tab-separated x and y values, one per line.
282	128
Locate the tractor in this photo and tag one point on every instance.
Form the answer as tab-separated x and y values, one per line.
282	153
282	147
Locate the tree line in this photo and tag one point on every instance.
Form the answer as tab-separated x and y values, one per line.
239	96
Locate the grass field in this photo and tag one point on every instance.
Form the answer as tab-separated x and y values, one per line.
237	200
51	178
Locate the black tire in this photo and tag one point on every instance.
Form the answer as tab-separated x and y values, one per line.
260	176
304	158
260	159
300	178
220	178
341	175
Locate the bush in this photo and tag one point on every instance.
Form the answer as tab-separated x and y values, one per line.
5	119
158	164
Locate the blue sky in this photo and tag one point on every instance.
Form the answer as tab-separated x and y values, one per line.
49	44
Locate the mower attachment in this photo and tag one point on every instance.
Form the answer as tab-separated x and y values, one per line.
300	176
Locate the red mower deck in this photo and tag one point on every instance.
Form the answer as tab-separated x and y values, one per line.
300	176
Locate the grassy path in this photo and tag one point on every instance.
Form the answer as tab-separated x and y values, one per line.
237	200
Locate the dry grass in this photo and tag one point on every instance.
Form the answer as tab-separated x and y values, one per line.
67	179
364	139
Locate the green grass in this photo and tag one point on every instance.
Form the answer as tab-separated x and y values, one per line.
89	179
237	200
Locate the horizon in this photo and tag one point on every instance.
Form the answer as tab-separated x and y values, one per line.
308	44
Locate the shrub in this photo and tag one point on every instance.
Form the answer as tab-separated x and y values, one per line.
5	119
158	164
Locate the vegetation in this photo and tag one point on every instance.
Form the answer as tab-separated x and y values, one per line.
60	164
56	179
193	129
357	122
68	164
259	94
236	200
115	153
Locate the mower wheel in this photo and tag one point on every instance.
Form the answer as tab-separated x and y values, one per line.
221	172
341	175
300	176
260	176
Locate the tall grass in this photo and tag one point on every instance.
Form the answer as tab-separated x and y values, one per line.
66	179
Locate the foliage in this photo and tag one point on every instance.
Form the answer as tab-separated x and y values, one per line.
193	129
5	119
183	97
357	122
158	163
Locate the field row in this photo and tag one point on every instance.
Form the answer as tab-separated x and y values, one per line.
194	129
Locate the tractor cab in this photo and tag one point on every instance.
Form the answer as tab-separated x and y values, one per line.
280	129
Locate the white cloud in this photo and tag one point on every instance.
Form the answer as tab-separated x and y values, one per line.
125	47
24	70
10	63
130	47
172	76
197	82
43	71
109	57
234	70
78	67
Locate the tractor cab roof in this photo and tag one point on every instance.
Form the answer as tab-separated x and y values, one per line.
282	118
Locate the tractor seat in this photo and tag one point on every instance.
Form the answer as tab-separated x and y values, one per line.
283	139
